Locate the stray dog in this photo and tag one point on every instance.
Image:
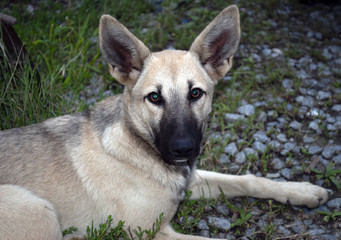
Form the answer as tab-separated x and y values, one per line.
133	155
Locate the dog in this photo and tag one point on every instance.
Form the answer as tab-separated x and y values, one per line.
133	155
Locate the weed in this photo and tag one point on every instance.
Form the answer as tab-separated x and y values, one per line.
330	175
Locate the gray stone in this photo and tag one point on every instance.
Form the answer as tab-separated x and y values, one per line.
261	137
334	203
295	125
314	125
337	108
272	175
282	138
231	149
277	163
262	117
232	117
274	144
287	173
308	139
315	149
328	151
258	146
250	151
205	233
308	101
337	159
298	227
322	95
202	225
240	158
224	159
247	110
287	83
266	52
220	223
284	231
222	209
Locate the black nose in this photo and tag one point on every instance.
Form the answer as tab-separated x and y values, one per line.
182	148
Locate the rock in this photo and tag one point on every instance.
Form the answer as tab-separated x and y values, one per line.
295	125
337	159
231	117
337	108
287	173
288	147
322	95
261	137
315	149
282	138
240	158
205	233
220	223
231	149
202	225
224	159
314	125
334	203
308	139
328	151
284	231
287	83
222	209
272	175
250	152
277	163
247	110
274	144
308	101
258	146
298	227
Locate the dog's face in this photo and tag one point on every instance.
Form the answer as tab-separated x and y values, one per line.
168	94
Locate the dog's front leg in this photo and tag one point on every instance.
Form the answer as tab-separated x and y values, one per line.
209	185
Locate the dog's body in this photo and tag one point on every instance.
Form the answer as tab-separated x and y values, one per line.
133	155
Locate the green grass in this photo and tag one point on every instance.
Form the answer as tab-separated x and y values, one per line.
62	40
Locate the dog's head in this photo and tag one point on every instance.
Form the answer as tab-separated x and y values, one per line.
168	94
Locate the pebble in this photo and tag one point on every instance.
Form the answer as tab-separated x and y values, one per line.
202	225
287	173
334	203
321	95
232	117
240	158
224	159
315	149
222	209
261	137
258	146
277	163
282	138
247	110
220	223
250	152
337	108
314	125
295	125
231	149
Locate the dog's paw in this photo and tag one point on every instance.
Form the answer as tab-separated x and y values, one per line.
302	194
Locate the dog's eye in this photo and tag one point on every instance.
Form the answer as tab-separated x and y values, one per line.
155	98
196	93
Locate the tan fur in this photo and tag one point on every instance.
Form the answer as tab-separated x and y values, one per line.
74	169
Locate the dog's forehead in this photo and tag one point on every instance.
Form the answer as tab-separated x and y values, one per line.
173	68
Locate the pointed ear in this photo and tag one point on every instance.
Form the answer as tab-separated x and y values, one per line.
124	53
218	42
